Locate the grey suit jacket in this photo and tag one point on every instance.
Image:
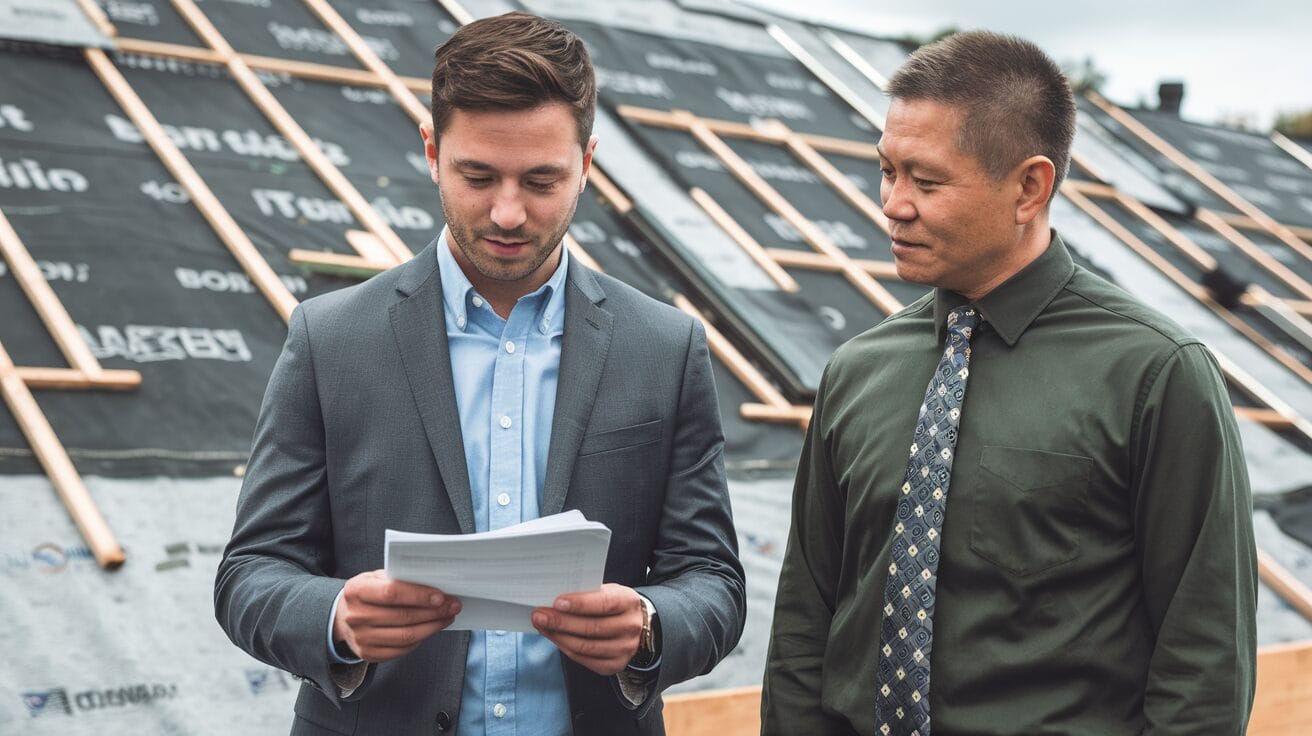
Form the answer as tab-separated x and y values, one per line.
359	432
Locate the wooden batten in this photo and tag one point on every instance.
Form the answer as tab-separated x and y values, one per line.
1262	395
97	17
845	93
457	11
337	24
680	120
1184	282
59	468
753	249
830	174
1285	584
851	56
47	304
1200	257
1253	251
331	176
73	379
218	217
1203	176
812	234
337	264
728	712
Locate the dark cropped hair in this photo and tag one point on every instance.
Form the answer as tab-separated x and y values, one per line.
1015	101
514	61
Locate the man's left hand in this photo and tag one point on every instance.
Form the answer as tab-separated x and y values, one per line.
600	630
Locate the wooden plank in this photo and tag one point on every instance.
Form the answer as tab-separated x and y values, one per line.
1285	584
1283	703
1255	252
457	11
812	234
799	415
607	188
97	17
1261	394
1193	289
1204	177
309	151
729	712
851	56
218	217
744	239
54	459
70	378
845	93
1192	251
337	264
678	120
47	304
337	24
830	174
1282	706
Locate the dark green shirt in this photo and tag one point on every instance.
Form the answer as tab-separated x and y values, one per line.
1098	571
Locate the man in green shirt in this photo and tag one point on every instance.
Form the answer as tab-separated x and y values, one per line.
1070	548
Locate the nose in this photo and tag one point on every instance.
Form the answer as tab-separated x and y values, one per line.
508	211
897	204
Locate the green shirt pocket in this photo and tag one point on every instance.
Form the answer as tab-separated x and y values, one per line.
1028	507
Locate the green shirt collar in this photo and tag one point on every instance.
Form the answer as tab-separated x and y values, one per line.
1012	306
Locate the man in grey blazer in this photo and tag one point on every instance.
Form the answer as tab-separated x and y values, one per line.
488	381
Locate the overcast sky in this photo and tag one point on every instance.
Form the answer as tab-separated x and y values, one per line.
1238	59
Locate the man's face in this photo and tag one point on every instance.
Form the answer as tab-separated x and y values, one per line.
509	181
952	225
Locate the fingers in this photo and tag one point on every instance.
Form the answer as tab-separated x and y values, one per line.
376	588
600	630
381	619
610	600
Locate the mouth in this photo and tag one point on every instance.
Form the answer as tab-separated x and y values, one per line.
505	247
903	247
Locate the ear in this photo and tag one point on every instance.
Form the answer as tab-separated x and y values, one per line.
588	150
1036	176
430	148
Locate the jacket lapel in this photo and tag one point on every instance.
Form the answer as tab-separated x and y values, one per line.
419	326
582	358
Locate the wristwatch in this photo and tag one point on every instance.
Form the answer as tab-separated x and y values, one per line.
649	641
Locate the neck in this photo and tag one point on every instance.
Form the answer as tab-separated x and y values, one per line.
502	295
1034	238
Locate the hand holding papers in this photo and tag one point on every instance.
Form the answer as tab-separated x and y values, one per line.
502	575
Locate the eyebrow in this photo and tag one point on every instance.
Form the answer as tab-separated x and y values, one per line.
540	170
913	164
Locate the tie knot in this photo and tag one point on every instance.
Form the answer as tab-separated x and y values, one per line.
963	320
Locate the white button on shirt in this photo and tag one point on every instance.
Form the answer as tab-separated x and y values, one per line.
505	422
499	710
510	347
478	301
504	499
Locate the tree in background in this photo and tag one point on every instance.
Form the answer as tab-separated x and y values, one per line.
1084	76
1295	124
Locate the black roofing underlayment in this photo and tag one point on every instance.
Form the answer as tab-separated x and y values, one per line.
152	288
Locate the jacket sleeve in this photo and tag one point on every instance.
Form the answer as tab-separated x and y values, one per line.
791	697
273	593
696	580
1194	540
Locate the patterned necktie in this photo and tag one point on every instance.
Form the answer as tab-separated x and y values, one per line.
906	634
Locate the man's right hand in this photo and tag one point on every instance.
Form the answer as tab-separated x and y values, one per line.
382	619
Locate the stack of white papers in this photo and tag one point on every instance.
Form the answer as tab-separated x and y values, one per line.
501	576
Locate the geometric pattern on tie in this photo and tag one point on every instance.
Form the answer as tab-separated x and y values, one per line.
907	624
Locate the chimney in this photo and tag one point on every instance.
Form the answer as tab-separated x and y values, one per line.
1170	95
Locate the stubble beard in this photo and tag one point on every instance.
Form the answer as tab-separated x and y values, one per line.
540	249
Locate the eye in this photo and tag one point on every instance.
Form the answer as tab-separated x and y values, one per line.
478	181
886	171
926	183
542	186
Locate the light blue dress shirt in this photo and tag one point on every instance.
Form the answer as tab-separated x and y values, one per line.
505	379
505	374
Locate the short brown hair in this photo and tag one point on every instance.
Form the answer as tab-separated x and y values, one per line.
514	61
1015	101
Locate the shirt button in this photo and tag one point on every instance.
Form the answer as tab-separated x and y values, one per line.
460	322
504	499
505	422
478	302
545	327
499	710
510	347
500	632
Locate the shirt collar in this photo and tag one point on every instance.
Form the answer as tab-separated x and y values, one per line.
457	289
1012	307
